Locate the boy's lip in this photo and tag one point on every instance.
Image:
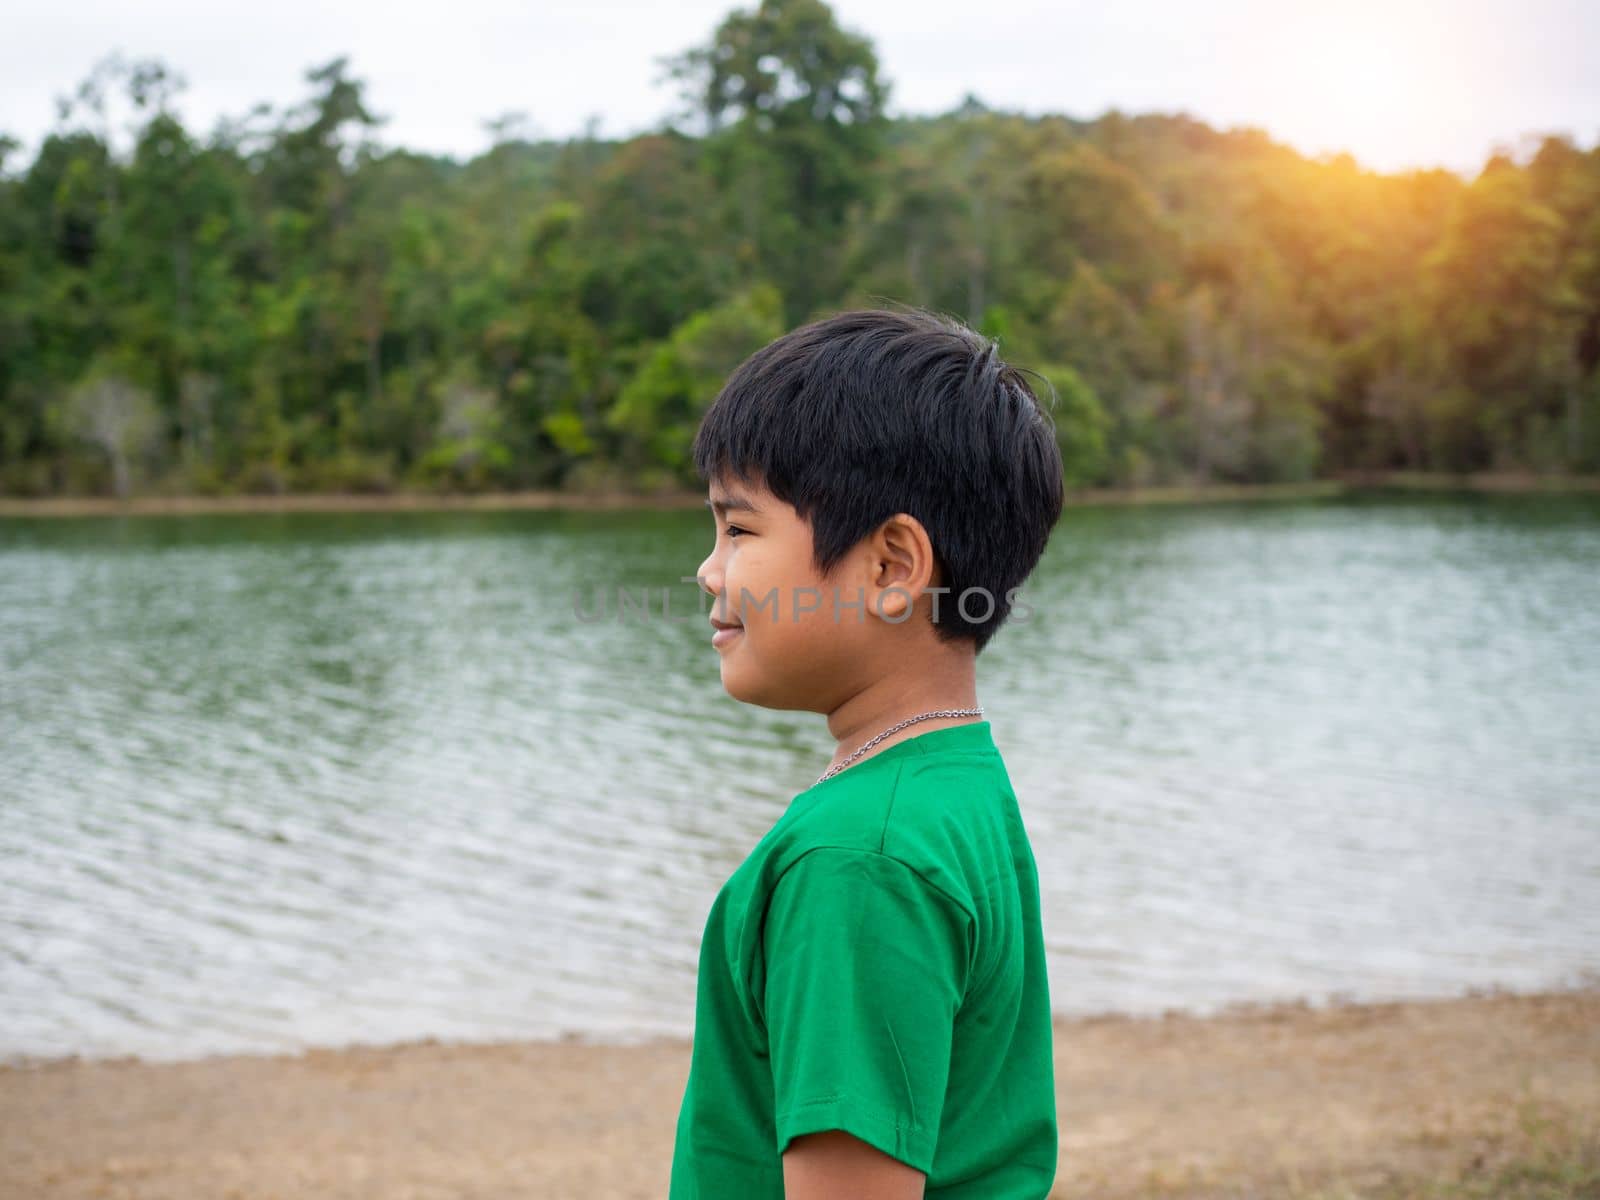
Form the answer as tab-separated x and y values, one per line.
726	624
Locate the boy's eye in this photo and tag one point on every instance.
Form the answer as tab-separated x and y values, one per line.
735	531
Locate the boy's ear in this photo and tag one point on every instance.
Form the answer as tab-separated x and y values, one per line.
901	567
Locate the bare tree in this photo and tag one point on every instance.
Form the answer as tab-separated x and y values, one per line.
468	418
197	396
1219	407
119	418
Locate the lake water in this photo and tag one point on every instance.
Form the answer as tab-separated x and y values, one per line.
287	780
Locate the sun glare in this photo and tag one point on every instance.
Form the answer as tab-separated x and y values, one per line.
1381	84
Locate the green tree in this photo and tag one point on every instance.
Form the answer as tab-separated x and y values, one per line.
1081	426
1488	288
300	306
661	406
794	109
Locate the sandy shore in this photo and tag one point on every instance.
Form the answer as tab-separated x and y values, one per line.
92	506
1472	1097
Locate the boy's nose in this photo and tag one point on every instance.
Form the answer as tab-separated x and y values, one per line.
710	575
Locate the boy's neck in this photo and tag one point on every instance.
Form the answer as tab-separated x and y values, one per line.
949	681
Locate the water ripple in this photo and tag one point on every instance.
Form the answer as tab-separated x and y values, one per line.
300	780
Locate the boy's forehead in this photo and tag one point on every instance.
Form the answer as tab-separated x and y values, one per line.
737	495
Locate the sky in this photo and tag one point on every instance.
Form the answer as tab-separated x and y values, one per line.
1397	83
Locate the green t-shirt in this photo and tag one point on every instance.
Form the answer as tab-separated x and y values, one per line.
876	965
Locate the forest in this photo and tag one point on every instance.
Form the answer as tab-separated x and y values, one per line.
286	303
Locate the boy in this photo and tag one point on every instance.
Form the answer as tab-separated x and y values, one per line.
872	1019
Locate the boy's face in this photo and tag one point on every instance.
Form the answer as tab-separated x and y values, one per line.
788	650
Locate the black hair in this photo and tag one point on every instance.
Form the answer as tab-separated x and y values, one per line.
862	415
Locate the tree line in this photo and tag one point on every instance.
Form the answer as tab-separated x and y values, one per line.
286	303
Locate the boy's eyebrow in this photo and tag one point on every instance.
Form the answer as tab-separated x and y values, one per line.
731	503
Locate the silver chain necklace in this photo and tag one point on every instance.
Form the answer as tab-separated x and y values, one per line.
940	712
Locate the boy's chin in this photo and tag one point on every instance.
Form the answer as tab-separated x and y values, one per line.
741	688
760	692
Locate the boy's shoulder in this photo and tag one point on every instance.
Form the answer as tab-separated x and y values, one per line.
942	816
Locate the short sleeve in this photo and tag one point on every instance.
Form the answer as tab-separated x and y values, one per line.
865	968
